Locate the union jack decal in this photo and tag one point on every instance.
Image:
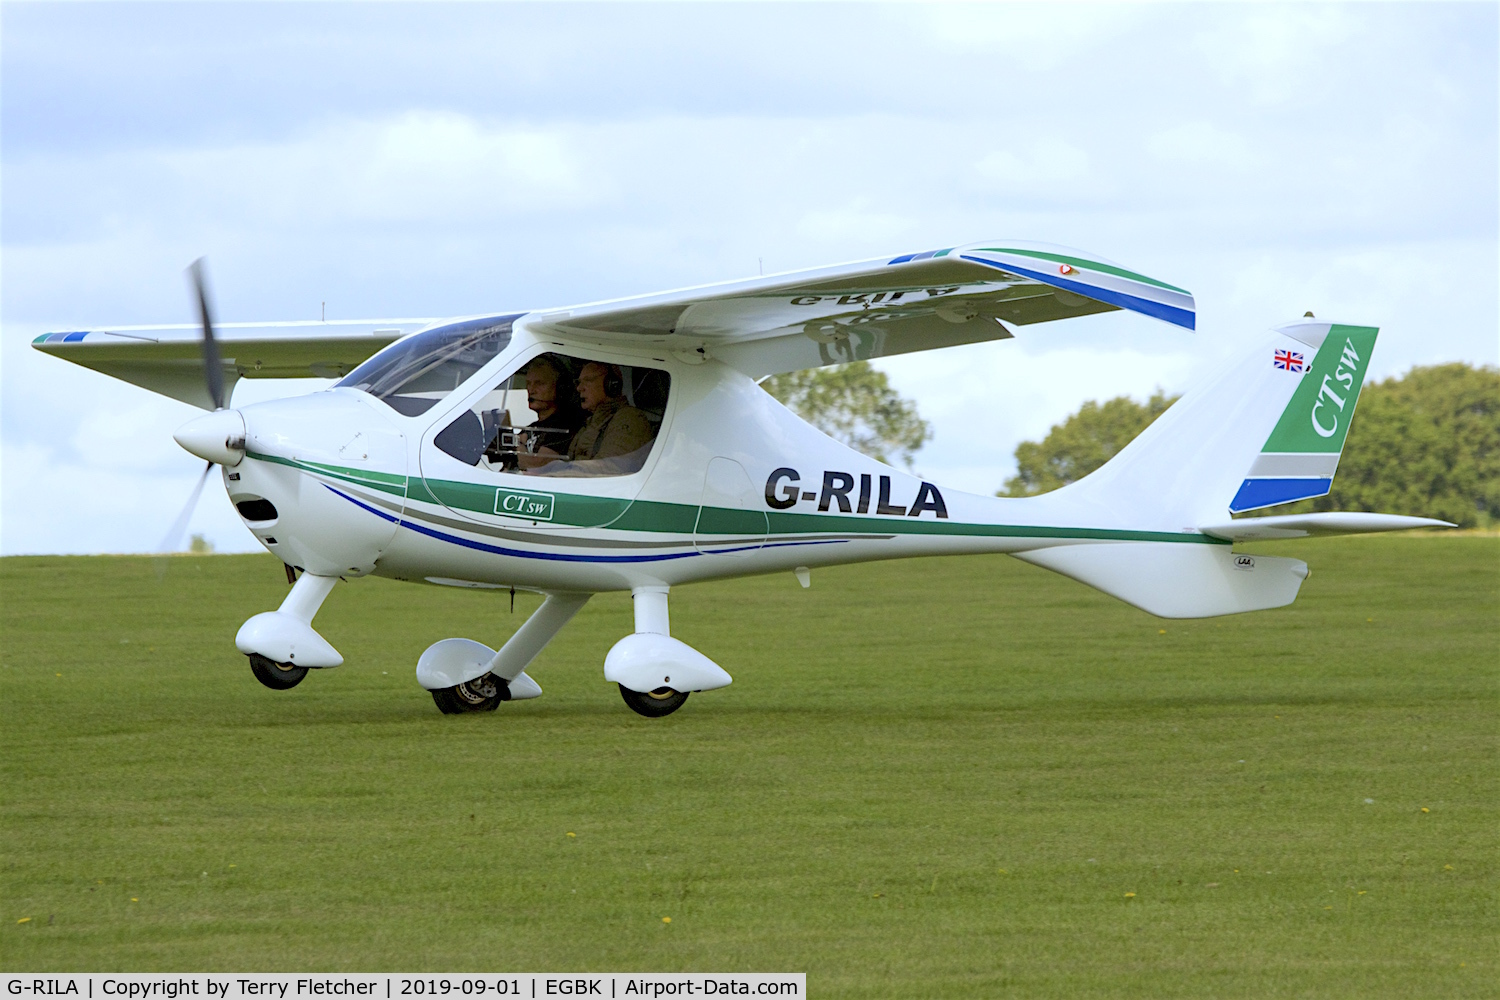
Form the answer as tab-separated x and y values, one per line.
1290	361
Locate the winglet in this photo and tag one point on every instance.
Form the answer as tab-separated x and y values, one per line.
1093	279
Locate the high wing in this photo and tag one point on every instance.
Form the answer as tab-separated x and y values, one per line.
169	359
762	326
874	308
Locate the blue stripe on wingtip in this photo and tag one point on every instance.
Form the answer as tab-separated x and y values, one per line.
74	338
1257	493
907	258
1159	310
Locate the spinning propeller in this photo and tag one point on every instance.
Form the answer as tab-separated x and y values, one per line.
217	437
212	368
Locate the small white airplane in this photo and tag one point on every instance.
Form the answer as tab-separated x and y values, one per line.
625	445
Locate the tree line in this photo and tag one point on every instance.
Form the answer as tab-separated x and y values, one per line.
1427	443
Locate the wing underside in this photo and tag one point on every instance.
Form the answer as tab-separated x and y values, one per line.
873	309
169	359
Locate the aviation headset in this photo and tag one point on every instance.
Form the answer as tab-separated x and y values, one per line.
614	381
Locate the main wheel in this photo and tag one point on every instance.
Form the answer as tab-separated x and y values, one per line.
482	694
653	704
276	676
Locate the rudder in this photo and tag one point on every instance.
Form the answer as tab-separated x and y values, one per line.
1299	459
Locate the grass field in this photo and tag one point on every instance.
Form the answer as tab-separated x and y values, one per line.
938	778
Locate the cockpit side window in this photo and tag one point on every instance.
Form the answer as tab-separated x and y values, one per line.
562	415
413	375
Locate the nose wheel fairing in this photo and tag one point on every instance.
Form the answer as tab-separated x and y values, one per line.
286	636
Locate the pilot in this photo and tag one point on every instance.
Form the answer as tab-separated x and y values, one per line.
550	395
614	428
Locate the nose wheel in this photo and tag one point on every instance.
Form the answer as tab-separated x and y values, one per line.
276	676
653	704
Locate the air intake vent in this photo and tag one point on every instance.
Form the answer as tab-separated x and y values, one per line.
256	510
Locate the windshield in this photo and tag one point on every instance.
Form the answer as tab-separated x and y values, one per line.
412	375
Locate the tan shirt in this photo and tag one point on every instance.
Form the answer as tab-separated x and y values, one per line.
613	429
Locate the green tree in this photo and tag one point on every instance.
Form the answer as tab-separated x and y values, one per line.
855	404
1082	443
1427	444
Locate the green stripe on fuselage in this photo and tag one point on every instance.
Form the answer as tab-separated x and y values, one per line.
385	482
568	508
574	510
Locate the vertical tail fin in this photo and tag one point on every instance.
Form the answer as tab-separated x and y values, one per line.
1302	453
1267	429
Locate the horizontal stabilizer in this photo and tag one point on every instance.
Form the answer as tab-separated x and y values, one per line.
1173	580
1329	523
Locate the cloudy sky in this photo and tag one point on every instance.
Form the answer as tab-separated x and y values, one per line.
395	160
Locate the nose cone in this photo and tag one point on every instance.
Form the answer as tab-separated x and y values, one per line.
215	437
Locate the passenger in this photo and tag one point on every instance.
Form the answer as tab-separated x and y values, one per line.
613	428
550	395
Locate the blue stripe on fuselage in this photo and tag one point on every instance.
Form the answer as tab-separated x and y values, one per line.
498	550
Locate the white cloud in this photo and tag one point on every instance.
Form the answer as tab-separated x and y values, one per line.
1201	143
1031	36
858	223
1271	52
1046	167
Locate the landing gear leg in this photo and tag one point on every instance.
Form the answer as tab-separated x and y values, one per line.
281	644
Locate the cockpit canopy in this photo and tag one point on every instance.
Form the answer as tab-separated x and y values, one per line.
413	375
